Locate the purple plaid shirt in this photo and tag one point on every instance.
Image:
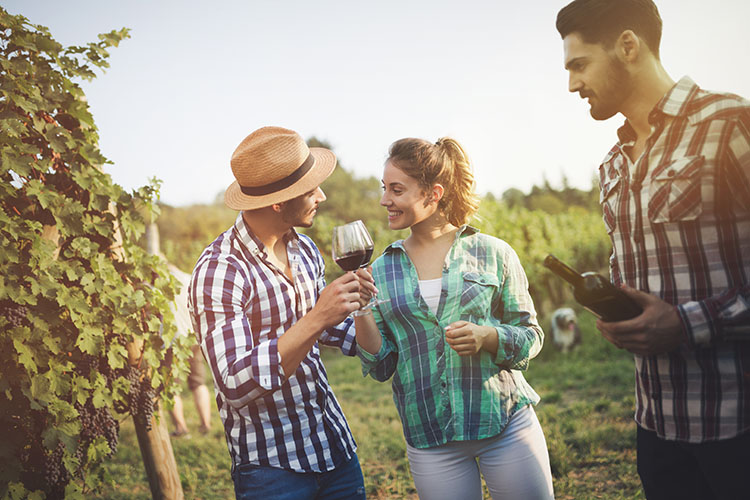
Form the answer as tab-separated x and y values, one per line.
240	305
679	220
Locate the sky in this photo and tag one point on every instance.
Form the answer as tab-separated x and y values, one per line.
195	78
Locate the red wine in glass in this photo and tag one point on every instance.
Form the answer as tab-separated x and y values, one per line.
353	261
368	256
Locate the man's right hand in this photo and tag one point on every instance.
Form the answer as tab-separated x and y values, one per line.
337	300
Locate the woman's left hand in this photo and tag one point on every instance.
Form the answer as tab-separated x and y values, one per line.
467	338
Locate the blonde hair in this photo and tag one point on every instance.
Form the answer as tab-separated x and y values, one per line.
445	163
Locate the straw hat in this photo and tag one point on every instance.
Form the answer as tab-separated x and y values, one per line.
273	165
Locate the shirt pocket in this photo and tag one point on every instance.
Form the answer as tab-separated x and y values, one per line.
607	199
675	191
477	293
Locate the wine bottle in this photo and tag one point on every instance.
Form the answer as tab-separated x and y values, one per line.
594	292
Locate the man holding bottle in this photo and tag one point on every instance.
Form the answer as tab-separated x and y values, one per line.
675	195
259	307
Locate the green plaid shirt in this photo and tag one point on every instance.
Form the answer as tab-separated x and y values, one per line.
441	396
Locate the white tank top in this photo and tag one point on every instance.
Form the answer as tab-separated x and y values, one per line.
430	290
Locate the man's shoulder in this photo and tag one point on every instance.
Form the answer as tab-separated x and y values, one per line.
708	105
221	249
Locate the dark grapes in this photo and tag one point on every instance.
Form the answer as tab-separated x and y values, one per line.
97	422
141	397
15	314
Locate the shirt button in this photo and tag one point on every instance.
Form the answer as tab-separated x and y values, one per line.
670	172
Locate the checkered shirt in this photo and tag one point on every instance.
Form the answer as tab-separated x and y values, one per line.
441	396
240	305
679	220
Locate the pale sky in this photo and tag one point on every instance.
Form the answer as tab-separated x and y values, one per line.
196	77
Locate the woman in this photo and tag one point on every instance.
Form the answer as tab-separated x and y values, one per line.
456	328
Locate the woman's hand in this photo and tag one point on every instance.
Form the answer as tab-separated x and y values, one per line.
367	288
468	339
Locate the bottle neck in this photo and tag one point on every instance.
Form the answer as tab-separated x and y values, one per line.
565	272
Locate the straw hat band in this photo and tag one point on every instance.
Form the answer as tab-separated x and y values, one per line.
282	183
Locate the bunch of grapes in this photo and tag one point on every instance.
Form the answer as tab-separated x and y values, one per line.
141	397
56	475
96	422
42	468
14	314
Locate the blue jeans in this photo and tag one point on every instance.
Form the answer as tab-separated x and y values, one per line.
345	482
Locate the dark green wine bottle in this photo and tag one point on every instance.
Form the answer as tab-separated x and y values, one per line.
594	292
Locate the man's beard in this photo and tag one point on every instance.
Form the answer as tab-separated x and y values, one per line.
618	88
295	216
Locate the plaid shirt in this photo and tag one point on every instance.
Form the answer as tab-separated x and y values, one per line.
441	396
241	304
679	220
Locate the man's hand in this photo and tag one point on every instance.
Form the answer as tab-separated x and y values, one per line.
367	289
467	338
657	330
337	300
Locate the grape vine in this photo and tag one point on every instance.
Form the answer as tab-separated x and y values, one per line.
84	311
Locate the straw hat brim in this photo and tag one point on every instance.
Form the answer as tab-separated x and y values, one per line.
325	162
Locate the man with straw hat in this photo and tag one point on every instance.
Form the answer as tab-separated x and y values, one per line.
260	305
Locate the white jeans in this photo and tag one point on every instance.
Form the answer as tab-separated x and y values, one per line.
514	464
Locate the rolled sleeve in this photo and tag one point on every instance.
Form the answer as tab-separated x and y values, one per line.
369	361
724	317
520	337
242	370
516	346
342	336
381	365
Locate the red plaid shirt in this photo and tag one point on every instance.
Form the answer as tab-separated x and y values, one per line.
679	220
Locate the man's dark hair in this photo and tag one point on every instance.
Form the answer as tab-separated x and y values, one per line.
603	21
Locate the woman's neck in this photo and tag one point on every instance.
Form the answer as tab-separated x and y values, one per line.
431	230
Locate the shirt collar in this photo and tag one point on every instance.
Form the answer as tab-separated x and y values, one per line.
463	230
674	103
251	241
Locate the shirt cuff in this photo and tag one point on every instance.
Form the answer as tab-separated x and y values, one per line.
272	376
370	361
696	324
506	349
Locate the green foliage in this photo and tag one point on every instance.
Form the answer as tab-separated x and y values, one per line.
75	289
576	236
186	231
553	201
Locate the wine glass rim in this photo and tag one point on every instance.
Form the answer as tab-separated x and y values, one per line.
358	221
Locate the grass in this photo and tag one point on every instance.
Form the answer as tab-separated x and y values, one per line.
586	413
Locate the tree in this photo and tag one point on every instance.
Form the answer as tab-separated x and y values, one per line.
84	310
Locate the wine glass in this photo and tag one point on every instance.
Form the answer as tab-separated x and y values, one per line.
349	245
352	248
